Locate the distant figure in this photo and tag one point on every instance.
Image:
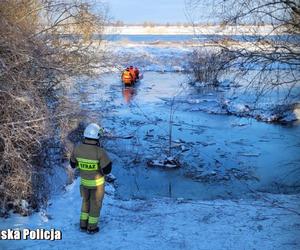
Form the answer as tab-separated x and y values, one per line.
127	77
132	71
93	164
137	73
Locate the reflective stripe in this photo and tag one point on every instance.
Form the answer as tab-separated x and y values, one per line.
84	216
92	183
88	165
86	160
93	220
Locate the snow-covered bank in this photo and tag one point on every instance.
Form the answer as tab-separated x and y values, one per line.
268	223
270	112
189	30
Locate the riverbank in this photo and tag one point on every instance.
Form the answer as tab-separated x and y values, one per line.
268	223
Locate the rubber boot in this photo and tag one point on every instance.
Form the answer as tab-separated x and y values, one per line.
93	231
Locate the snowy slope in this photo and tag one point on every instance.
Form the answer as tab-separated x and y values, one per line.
167	224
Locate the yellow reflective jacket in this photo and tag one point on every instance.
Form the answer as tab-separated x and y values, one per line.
90	159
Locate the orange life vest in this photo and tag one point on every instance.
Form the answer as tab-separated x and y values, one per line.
127	77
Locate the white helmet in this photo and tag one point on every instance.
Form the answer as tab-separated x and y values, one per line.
92	131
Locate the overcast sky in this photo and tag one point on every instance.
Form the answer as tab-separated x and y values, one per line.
139	11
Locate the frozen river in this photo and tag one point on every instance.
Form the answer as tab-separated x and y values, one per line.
222	156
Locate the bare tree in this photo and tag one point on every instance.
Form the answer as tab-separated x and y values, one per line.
269	56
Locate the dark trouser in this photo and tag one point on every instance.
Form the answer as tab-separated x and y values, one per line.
91	206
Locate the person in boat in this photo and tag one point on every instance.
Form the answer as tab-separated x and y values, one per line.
132	71
137	73
127	77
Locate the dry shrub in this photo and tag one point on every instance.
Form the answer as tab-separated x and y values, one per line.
206	65
34	59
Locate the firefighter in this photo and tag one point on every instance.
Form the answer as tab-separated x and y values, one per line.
132	71
127	77
93	164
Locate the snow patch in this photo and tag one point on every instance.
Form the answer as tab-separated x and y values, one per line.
167	224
